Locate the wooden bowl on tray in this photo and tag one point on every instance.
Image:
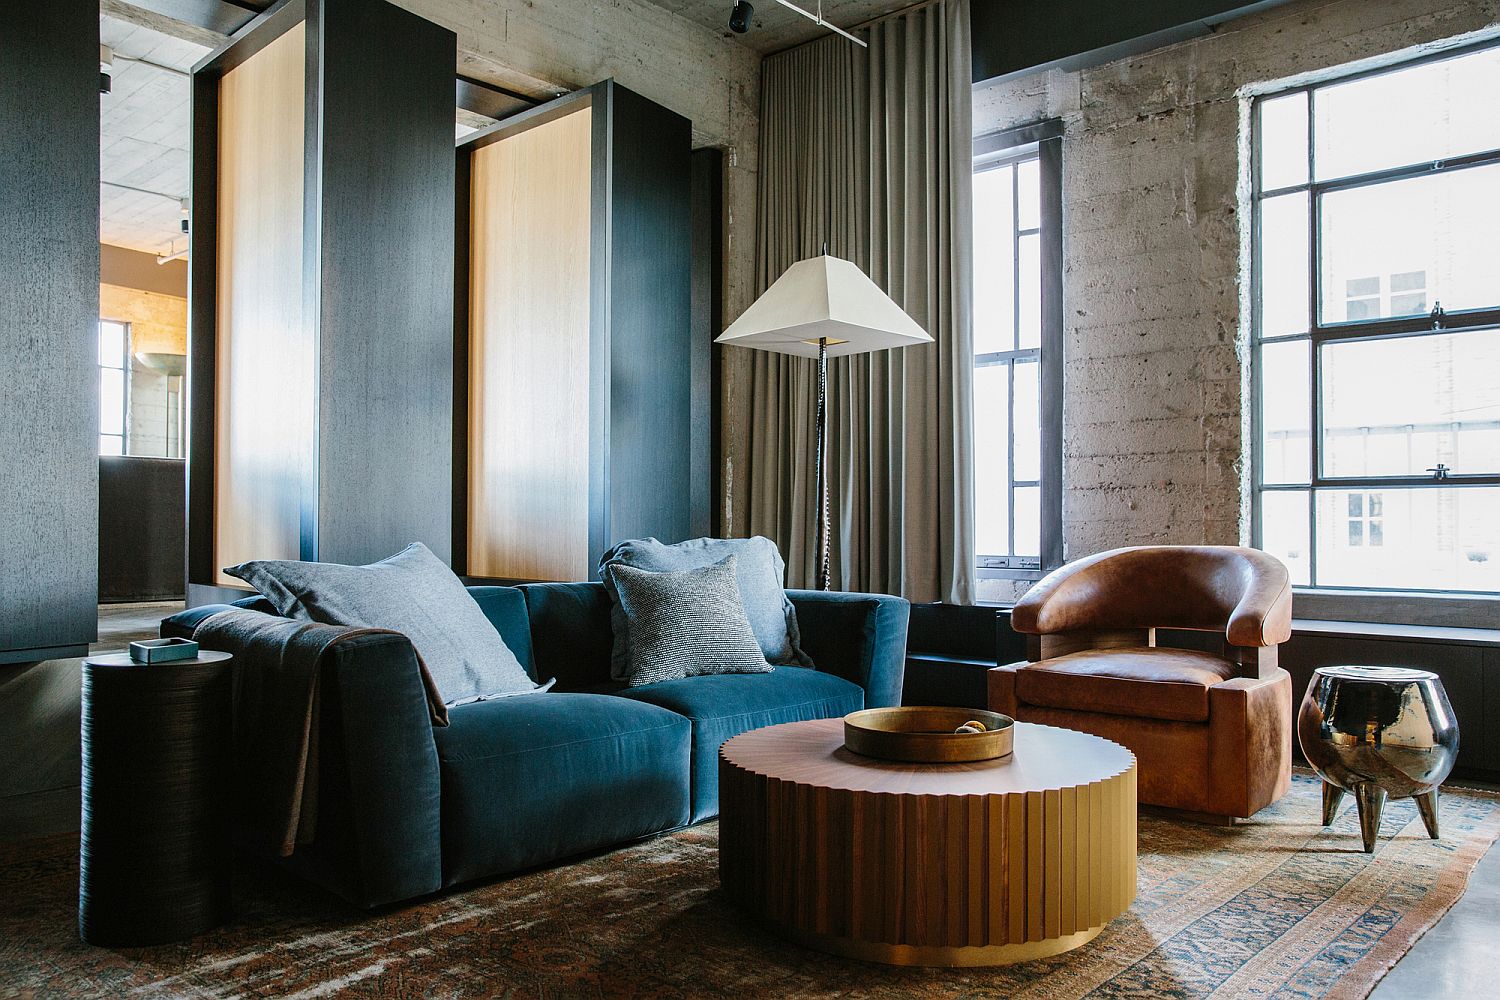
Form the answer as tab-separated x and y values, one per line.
926	735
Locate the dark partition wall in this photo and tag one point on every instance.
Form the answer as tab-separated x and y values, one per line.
140	529
321	310
649	325
49	314
708	323
386	322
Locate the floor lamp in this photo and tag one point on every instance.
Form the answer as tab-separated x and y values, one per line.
823	307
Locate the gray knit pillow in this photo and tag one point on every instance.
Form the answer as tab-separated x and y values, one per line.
685	623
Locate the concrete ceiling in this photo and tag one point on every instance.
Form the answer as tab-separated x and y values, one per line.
774	27
145	137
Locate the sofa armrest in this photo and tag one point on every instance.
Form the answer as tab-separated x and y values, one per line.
859	637
378	837
392	815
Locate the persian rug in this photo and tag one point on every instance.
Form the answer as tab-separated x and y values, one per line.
1277	907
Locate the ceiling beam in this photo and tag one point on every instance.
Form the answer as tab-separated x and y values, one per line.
489	100
145	14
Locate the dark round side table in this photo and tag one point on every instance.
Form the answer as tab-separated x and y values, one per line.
154	858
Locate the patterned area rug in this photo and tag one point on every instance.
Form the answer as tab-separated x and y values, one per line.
1278	907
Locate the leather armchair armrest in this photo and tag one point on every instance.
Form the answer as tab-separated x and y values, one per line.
1002	688
1250	755
859	637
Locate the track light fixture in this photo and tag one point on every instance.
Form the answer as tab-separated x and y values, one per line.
739	17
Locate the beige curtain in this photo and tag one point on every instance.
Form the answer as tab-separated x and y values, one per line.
869	150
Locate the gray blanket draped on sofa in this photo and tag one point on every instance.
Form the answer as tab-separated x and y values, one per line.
277	666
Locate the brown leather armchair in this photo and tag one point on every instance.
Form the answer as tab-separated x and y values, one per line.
1211	733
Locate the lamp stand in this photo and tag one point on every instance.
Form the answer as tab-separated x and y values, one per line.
819	462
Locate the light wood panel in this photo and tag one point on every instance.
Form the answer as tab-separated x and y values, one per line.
979	863
265	364
529	354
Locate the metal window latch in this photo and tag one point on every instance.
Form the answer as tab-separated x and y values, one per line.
1438	315
1440	471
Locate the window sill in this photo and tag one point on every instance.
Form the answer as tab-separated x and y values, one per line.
1476	611
1445	635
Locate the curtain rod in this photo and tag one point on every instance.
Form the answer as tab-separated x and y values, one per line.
899	12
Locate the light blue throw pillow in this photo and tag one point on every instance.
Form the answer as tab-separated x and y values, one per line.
758	570
414	593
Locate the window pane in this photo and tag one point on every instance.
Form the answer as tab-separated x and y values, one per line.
1397	249
1028	423
1400	406
111	344
1029	521
991	455
1429	538
1434	111
1283	530
1283	141
1029	194
1283	265
994	261
1029	330
111	401
111	445
1286	412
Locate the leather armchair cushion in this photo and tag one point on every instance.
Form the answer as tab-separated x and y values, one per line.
1146	682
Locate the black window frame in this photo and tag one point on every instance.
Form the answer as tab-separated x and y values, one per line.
1044	140
1320	333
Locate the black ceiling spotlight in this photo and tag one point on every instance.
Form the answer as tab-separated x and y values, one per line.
739	18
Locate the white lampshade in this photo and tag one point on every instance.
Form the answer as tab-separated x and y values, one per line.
824	297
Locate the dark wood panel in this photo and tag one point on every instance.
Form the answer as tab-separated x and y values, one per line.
705	494
141	538
385	322
49	311
650	414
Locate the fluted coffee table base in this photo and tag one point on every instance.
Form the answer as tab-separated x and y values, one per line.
970	864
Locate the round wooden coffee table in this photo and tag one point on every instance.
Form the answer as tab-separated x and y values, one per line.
928	864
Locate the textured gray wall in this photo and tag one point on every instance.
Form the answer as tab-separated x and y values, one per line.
1155	252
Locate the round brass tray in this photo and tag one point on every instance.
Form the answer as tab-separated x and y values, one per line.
926	736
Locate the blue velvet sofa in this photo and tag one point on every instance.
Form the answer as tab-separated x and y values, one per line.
406	808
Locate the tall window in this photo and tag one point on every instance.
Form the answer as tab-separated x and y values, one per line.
1017	354
1377	327
114	382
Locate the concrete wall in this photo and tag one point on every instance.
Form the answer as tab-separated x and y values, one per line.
1156	248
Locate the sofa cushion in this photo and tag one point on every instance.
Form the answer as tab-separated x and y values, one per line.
505	607
1147	682
759	571
570	632
724	705
412	592
534	778
684	623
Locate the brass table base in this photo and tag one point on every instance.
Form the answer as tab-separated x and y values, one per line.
942	956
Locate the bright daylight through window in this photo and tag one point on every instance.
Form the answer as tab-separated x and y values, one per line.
1377	328
114	368
1017	448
